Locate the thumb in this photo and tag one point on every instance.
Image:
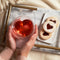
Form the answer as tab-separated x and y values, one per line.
34	36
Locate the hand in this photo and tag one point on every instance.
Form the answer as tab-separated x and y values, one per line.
10	40
29	44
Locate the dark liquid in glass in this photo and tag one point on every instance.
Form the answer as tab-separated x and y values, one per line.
23	28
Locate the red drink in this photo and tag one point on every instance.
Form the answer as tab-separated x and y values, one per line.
23	28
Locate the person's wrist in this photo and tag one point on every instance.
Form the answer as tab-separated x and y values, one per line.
19	53
21	57
10	49
23	54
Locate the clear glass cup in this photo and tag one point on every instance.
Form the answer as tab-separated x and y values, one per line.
22	29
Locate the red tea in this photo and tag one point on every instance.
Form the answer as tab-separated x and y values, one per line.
23	28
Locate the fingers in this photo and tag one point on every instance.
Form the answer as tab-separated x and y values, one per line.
11	39
9	29
10	35
36	30
34	36
12	32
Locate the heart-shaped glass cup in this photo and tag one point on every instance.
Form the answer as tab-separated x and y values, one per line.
22	29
